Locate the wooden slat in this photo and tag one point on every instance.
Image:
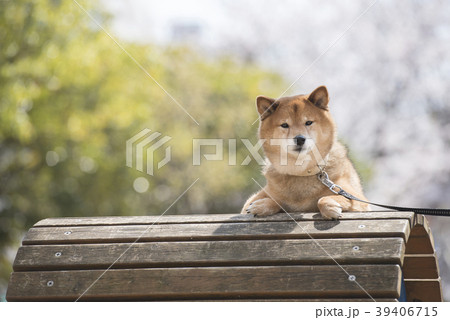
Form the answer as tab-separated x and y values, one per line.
421	240
205	253
217	282
217	231
214	218
420	244
422	266
426	290
298	300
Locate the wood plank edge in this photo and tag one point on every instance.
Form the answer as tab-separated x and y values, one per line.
231	218
220	238
195	264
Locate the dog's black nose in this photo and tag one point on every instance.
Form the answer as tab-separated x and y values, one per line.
299	140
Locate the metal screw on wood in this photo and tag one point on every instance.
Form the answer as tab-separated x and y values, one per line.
67	233
356	248
50	283
58	254
361	226
351	278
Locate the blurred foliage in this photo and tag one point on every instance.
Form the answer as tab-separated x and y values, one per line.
70	98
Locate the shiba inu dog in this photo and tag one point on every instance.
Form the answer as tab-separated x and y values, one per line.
300	140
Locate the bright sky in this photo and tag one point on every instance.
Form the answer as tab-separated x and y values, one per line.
151	21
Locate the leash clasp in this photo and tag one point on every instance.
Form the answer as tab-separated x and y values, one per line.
335	186
323	177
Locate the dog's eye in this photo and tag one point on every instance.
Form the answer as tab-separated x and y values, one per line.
308	123
284	125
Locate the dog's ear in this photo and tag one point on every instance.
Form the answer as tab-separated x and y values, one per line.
265	106
319	97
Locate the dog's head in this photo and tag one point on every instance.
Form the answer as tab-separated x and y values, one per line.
298	131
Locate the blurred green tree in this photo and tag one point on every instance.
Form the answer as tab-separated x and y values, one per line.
70	98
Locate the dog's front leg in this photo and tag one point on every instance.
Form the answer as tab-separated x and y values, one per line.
260	204
331	207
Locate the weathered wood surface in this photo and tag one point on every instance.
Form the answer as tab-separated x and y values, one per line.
422	290
210	253
420	270
299	300
420	266
210	282
216	218
421	239
219	231
227	257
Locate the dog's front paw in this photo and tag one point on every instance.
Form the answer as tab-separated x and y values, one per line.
330	208
263	207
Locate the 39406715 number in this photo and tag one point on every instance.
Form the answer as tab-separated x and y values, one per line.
404	311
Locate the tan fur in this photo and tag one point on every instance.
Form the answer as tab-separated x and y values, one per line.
293	185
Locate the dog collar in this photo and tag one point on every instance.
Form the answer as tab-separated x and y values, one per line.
316	170
310	172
